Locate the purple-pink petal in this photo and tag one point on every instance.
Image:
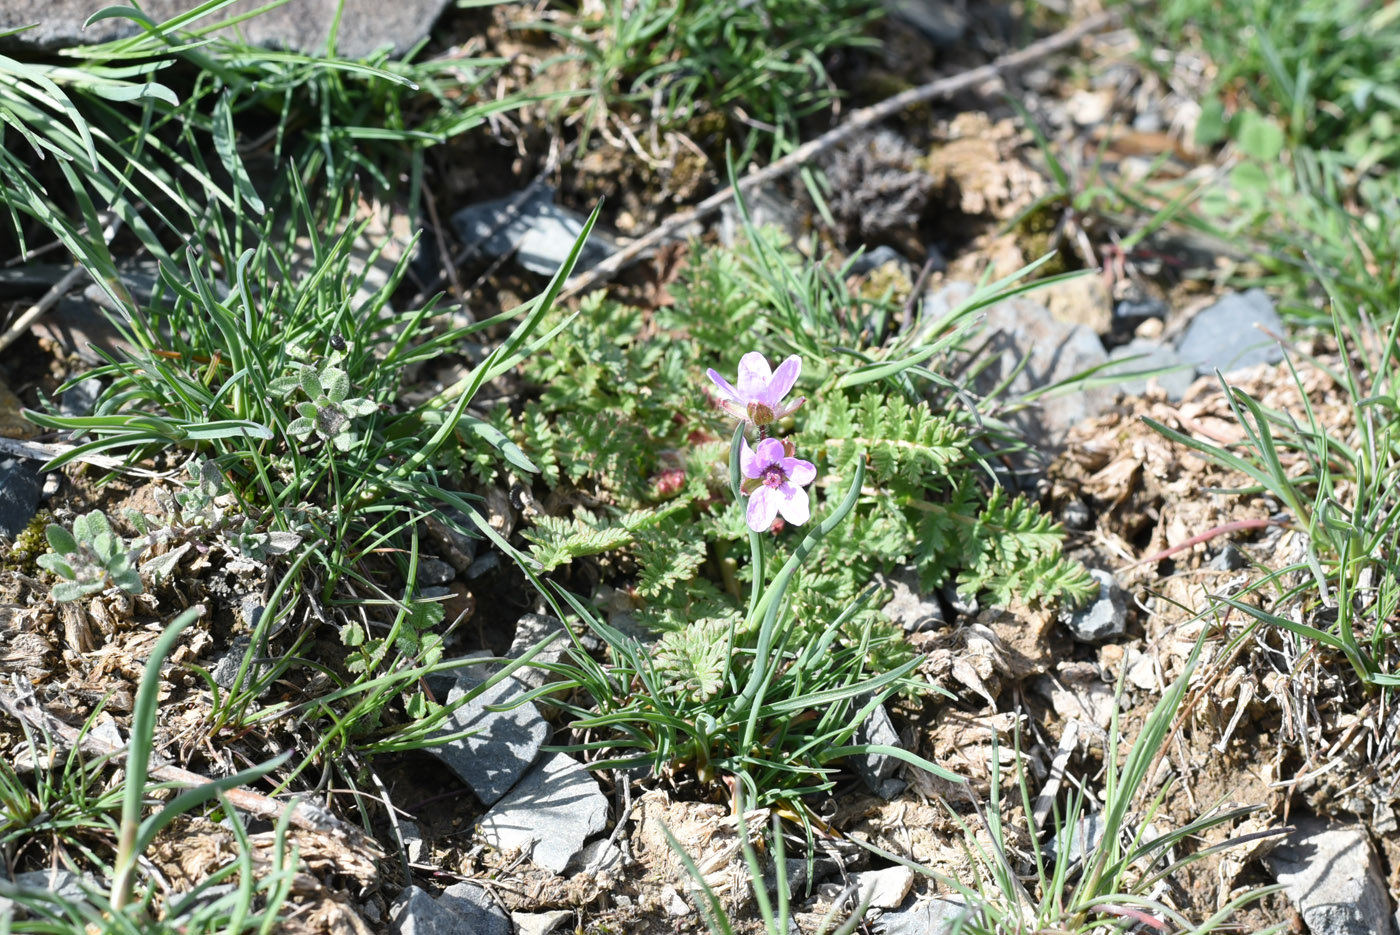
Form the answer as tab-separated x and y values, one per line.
763	508
726	388
754	376
748	461
782	381
798	471
792	503
770	451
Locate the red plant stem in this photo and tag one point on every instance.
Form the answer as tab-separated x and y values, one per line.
1236	526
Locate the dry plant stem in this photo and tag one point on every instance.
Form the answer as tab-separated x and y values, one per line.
23	706
1236	526
47	301
859	120
110	225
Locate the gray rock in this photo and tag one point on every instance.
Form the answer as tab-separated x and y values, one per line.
1226	336
1139	308
1053	351
909	608
883	889
1106	616
1086	835
413	843
596	856
417	913
933	917
303	25
484	565
550	813
434	571
503	745
962	606
1149	355
530	631
875	768
1333	876
79	399
941	22
542	923
1075	514
538	231
20	487
476	907
458	548
1229	558
62	883
874	259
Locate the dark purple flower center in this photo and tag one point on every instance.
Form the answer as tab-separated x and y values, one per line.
773	476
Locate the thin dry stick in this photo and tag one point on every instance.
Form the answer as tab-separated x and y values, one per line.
24	706
49	299
858	121
111	224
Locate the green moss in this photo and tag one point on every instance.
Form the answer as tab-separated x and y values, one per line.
29	545
1035	233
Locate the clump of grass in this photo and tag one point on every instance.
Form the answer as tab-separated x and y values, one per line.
762	65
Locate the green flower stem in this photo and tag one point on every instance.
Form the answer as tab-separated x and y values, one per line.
143	726
771	602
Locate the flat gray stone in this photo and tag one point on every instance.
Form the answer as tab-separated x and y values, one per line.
413	843
540	233
475	905
20	487
300	25
883	889
62	883
933	917
1083	838
1226	336
1054	351
1149	356
79	399
550	813
875	768
542	923
1333	876
1105	617
909	607
433	571
504	743
530	631
417	913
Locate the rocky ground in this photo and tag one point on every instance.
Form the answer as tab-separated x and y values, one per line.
493	833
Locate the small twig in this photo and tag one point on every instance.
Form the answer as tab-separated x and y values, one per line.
1236	526
24	706
111	224
47	301
859	120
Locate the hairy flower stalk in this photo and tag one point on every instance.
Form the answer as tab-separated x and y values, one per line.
759	398
774	483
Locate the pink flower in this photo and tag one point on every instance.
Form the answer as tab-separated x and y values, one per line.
775	482
759	398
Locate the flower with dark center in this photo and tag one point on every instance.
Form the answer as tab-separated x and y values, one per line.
775	482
